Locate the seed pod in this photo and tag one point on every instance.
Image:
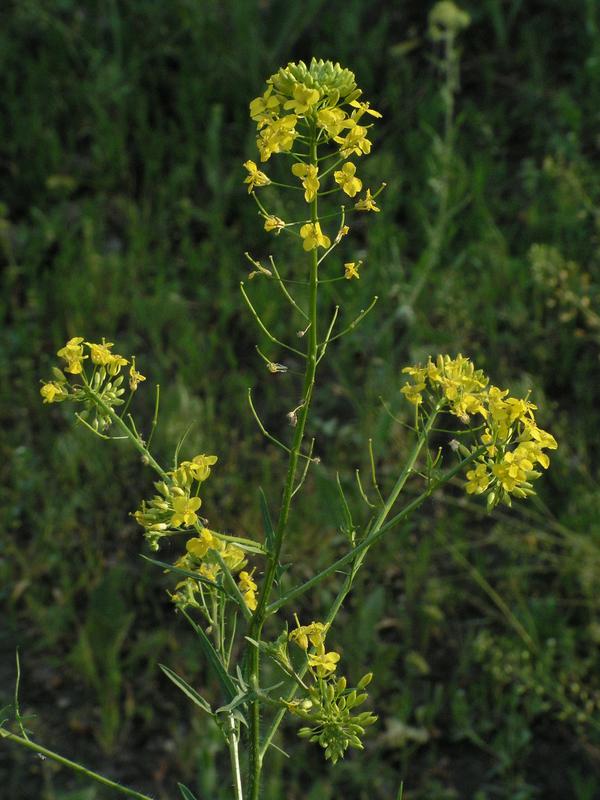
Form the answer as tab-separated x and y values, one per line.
365	681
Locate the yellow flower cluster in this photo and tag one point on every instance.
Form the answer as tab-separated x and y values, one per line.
202	557
511	444
175	506
248	589
99	392
328	708
318	102
323	663
105	363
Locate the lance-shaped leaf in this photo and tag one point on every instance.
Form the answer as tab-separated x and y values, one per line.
214	661
186	689
185	792
267	523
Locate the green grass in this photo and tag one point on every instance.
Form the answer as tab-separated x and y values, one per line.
123	131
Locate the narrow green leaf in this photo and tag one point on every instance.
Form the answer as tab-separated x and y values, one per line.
267	523
187	795
186	689
213	659
348	525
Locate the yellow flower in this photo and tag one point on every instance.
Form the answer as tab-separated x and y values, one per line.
351	270
248	589
363	108
200	546
210	571
100	353
264	106
277	136
324	664
233	556
478	479
345	177
72	353
308	174
255	176
246	583
313	236
274	224
413	392
313	633
184	510
354	142
135	377
53	392
200	466
304	99
115	364
333	120
367	203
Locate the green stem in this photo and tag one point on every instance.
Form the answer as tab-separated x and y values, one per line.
37	748
233	740
135	440
255	754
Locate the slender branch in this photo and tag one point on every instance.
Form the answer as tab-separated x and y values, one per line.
328	334
261	325
135	439
285	291
309	459
155	417
356	321
65	762
262	428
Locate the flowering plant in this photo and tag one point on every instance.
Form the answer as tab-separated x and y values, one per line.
227	586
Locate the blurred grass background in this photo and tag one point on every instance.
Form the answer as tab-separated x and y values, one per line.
123	215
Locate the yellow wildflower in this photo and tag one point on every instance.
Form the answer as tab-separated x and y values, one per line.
53	392
248	589
363	108
351	270
367	203
313	236
277	136
100	353
255	176
72	353
354	142
233	556
209	571
304	99
199	546
313	633
308	173
478	479
184	510
264	106
324	664
346	178
200	466
135	377
333	120
274	224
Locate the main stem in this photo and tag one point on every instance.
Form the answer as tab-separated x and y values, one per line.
255	754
